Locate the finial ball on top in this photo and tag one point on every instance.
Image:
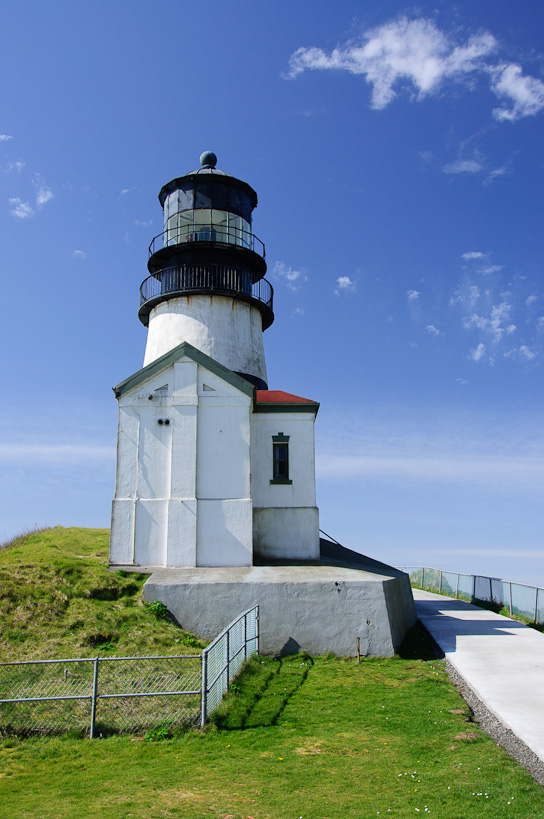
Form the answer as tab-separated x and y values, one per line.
208	159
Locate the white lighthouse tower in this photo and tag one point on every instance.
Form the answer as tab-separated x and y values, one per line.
206	255
213	468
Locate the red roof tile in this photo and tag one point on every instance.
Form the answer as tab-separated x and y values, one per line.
280	397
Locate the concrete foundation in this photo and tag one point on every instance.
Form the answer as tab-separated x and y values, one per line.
317	608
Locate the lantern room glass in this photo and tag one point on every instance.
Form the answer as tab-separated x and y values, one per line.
207	225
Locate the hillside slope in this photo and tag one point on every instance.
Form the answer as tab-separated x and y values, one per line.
58	599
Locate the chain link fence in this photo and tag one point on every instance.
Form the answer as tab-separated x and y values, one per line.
520	599
222	659
123	694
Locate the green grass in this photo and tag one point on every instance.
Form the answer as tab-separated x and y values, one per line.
58	599
318	738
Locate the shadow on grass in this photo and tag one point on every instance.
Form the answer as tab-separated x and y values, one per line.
419	645
261	692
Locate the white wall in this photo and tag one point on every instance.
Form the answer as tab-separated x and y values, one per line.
182	490
226	329
285	516
300	428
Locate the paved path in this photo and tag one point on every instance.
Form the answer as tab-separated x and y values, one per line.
500	659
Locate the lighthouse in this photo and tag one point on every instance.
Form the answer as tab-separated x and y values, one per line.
213	468
215	486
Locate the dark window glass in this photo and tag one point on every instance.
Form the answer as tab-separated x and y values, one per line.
281	461
203	196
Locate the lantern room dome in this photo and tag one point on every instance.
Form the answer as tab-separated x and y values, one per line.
212	175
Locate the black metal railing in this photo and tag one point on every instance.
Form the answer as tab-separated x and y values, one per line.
210	278
207	233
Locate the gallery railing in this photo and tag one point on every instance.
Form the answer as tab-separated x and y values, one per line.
225	234
209	277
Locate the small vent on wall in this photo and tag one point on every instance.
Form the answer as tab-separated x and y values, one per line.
207	389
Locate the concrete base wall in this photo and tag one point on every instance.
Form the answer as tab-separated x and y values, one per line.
286	532
318	609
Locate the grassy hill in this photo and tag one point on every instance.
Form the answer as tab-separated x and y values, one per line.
316	738
58	599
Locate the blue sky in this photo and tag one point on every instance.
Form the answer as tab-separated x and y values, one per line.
397	155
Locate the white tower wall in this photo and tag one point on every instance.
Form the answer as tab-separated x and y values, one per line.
226	329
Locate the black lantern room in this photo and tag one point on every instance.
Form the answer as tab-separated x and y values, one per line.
207	245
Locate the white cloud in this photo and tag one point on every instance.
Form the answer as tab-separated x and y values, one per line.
43	193
494	174
298	311
413	295
15	166
5	137
432	330
526	352
523	95
415	52
494	325
473	254
499	450
463	166
477	255
143	224
466	295
521	352
54	454
497	454
127	190
78	254
415	56
478	353
344	283
493	472
293	278
21	210
461	381
530	300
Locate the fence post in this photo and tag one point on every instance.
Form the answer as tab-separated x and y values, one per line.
440	583
257	631
457	588
94	697
423	577
245	636
204	706
473	587
536	604
511	609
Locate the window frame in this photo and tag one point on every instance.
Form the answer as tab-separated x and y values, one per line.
280	440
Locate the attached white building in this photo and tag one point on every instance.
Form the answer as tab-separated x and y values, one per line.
210	470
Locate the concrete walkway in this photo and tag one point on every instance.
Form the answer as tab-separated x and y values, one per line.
500	659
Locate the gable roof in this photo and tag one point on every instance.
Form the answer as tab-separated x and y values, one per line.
183	350
280	401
